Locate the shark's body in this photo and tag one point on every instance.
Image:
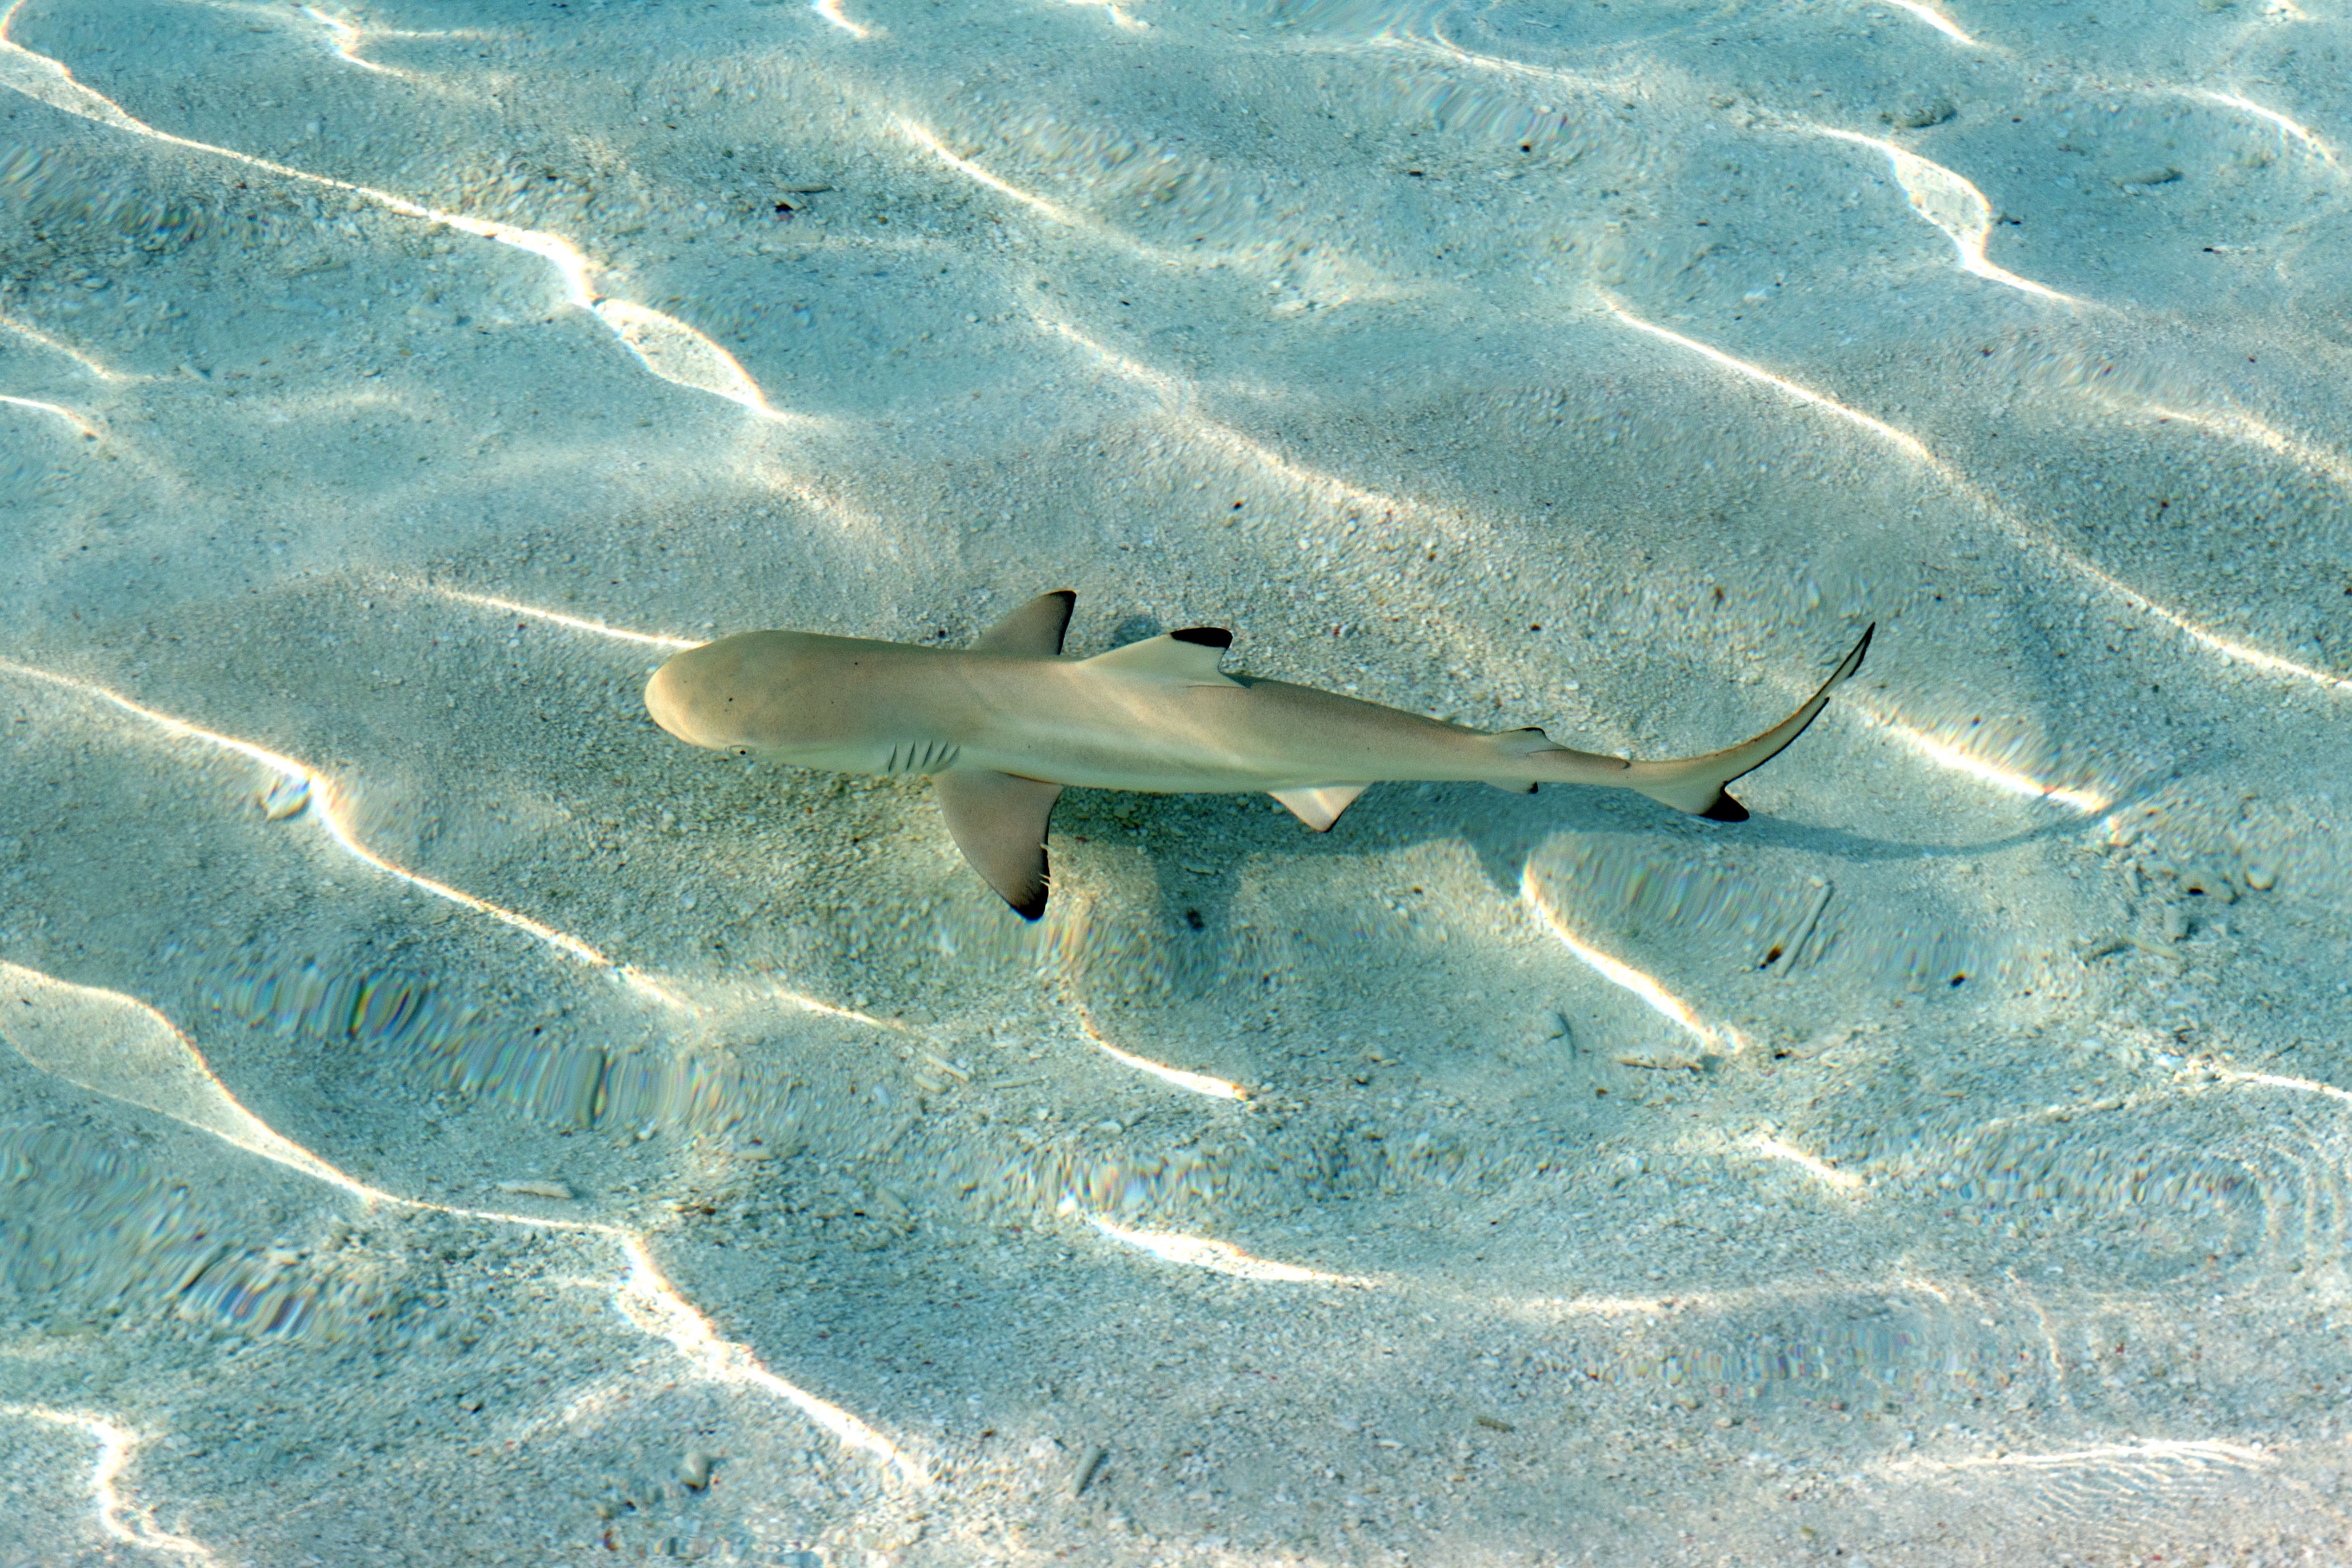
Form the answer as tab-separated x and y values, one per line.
1003	727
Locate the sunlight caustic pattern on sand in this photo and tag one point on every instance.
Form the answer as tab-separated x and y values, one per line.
665	346
326	805
116	1518
1937	20
2255	432
1618	973
647	1299
2153	1455
831	11
1438	46
1946	753
553	618
1361	284
2230	647
2031	538
1953	205
1179	399
1190	1082
348	39
2308	139
82	426
924	137
1118	14
1827	1174
59	346
122	1047
1903	441
1219	1256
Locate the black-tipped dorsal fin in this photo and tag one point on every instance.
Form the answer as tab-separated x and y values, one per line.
1320	805
999	822
1196	654
1035	628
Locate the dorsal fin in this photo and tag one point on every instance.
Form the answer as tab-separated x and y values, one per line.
1196	654
1035	628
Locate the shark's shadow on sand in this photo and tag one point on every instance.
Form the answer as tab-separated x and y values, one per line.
1195	911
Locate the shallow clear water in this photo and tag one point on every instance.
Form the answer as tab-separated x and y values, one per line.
449	1121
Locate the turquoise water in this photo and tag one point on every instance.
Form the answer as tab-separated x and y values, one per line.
447	1119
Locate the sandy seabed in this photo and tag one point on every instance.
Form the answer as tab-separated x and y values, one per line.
449	1121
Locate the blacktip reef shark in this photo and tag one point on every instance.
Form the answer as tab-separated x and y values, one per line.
1003	727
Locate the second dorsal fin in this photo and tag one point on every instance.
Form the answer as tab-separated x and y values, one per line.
1196	654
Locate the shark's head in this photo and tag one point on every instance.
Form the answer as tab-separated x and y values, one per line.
764	691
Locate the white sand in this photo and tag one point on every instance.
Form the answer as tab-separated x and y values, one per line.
1944	1167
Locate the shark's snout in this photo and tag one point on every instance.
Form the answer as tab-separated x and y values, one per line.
669	696
752	691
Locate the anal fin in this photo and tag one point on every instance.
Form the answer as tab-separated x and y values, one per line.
999	822
1319	806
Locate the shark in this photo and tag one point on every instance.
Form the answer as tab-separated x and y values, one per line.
1003	727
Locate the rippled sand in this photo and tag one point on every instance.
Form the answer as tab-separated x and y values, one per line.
449	1121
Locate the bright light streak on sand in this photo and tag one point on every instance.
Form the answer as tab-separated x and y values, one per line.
1445	47
553	617
2311	141
665	346
1953	205
1168	388
328	805
349	39
2259	432
1178	398
1118	15
2268	662
1349	278
1937	20
115	1446
808	1004
649	1300
2279	1080
1910	446
679	354
119	1046
2153	1454
1828	1175
1946	754
1219	1256
831	11
922	137
1191	1082
88	430
2033	538
59	346
1618	973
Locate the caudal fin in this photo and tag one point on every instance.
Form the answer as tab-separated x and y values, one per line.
1695	784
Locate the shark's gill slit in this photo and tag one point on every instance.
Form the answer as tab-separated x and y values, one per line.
1012	723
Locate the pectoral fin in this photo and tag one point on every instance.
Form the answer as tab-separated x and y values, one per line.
1320	806
999	822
